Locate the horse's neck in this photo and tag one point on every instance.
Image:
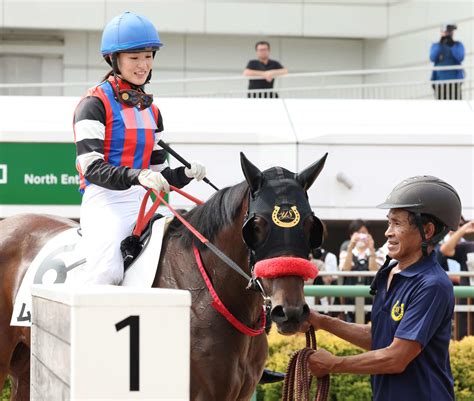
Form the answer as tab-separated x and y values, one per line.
229	285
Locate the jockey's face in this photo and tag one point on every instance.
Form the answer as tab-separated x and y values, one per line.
135	67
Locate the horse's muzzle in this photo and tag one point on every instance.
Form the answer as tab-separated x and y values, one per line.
289	318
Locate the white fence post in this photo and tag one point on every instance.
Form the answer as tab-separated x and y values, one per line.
110	343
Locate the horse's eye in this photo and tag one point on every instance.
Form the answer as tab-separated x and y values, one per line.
260	228
256	228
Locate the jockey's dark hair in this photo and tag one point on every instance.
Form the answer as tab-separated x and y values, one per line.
210	218
106	76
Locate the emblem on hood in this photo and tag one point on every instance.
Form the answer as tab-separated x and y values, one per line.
287	217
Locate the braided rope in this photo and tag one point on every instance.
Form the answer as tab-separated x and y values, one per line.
298	377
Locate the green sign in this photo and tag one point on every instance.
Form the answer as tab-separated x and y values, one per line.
38	174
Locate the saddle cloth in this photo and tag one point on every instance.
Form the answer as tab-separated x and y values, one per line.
62	260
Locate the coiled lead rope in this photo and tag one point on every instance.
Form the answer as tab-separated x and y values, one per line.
298	379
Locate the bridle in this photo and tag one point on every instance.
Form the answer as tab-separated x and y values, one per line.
254	282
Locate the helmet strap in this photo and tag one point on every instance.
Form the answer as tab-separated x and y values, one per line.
148	78
115	67
434	240
424	243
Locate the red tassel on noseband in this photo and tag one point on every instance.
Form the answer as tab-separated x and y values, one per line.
285	266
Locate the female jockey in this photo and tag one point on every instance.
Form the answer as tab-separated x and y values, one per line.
116	129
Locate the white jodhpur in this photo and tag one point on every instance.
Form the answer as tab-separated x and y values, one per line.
107	217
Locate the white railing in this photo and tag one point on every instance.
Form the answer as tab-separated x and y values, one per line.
368	273
389	83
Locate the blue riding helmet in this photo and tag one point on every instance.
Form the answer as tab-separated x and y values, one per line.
129	32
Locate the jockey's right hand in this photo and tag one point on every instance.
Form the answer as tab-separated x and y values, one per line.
154	180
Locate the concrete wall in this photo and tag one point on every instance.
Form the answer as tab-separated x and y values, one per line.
202	38
215	38
234	17
197	56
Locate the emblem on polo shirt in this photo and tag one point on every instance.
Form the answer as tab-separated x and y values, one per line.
397	311
286	217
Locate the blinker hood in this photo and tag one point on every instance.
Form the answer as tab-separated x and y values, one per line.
282	202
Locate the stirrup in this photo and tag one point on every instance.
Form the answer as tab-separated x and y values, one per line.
270	376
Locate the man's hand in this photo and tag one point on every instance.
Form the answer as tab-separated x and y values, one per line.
468	228
268	76
327	280
154	180
314	319
353	241
321	362
370	242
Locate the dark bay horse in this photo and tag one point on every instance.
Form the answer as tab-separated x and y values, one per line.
225	364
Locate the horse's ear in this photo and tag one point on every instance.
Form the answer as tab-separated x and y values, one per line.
309	174
252	174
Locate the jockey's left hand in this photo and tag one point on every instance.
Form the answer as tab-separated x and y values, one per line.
197	171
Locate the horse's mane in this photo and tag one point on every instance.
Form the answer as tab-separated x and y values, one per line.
210	218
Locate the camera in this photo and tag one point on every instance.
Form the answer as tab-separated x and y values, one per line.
362	237
449	28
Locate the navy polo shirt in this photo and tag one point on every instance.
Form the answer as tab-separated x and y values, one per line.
418	306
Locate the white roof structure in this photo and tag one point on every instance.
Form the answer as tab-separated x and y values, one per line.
372	144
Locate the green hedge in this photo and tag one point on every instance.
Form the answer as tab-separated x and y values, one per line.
6	391
348	387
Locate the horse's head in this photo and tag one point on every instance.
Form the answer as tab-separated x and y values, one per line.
280	229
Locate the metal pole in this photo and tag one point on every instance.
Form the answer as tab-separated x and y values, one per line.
359	310
363	291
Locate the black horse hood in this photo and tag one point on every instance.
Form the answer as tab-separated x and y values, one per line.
279	197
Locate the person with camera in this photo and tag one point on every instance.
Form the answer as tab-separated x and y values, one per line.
357	254
407	342
447	52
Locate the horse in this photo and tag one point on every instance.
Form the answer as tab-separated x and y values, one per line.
250	223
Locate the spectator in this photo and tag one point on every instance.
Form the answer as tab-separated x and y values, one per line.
361	247
462	251
263	67
448	264
447	52
357	254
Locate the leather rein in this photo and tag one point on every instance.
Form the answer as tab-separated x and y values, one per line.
144	218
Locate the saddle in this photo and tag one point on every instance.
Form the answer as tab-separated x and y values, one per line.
62	260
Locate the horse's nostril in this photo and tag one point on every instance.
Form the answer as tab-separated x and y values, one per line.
295	314
305	313
278	314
